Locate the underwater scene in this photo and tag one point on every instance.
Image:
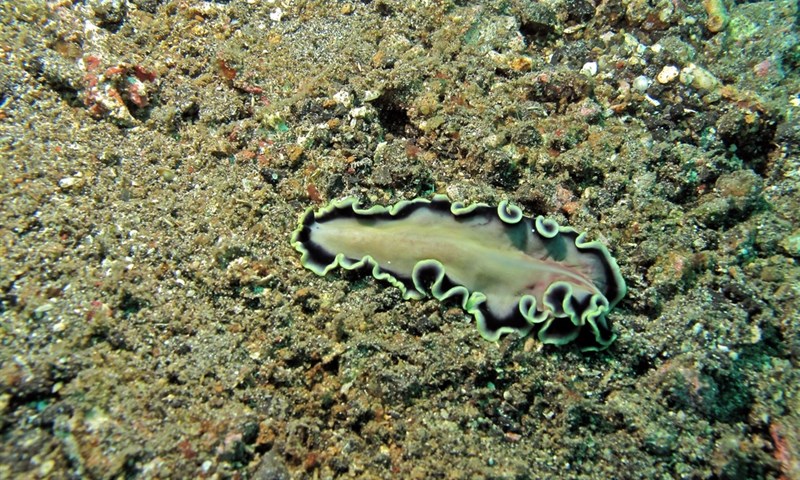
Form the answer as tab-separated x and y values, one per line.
420	239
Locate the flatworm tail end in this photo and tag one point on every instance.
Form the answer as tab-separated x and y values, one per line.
312	256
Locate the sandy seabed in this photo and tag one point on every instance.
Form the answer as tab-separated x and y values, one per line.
155	157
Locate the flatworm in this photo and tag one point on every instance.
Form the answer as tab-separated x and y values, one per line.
512	273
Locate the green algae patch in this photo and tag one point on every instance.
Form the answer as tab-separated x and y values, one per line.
510	272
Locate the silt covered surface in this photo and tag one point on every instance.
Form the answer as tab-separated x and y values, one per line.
155	157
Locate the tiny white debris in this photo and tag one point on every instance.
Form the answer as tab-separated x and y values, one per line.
90	28
276	15
370	95
589	68
642	83
41	310
574	28
667	74
493	140
359	112
652	100
67	182
346	387
630	40
344	97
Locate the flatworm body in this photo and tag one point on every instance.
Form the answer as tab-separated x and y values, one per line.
512	273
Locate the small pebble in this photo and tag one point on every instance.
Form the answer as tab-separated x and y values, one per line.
652	101
67	182
344	97
698	77
370	95
359	112
667	74
589	68
642	83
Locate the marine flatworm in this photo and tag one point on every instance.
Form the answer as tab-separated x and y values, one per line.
512	273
